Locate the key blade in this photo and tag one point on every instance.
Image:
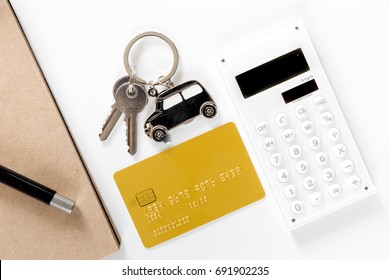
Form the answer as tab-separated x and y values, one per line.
131	133
110	122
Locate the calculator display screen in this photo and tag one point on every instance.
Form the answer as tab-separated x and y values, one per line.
299	91
272	73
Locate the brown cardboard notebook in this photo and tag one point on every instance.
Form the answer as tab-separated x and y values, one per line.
34	141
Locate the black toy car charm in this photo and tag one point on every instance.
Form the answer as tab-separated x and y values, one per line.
178	105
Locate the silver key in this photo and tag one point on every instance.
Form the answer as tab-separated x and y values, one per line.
131	99
115	112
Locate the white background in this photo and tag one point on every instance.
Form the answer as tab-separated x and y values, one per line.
79	45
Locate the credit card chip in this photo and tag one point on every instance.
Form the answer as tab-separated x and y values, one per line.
145	197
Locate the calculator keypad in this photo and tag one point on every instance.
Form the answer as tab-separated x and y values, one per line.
310	159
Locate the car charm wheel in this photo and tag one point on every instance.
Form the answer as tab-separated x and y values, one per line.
209	111
158	134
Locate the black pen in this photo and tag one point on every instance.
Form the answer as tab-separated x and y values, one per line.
35	190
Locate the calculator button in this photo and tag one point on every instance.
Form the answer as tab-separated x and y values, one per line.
276	159
283	175
347	166
326	118
290	191
295	151
333	134
302	167
316	198
307	127
354	181
335	190
281	119
296	207
314	143
269	144
288	135
320	102
262	128
328	174
321	158
300	111
340	150
308	183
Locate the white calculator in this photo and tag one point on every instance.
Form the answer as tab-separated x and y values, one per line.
296	126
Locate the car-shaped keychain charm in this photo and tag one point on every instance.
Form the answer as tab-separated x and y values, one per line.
179	105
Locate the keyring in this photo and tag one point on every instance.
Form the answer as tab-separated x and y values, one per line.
170	44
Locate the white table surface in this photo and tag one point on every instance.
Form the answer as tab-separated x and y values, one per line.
79	45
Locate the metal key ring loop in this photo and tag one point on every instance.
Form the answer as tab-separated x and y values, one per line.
170	44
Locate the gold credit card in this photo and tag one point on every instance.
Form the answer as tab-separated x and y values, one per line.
189	185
